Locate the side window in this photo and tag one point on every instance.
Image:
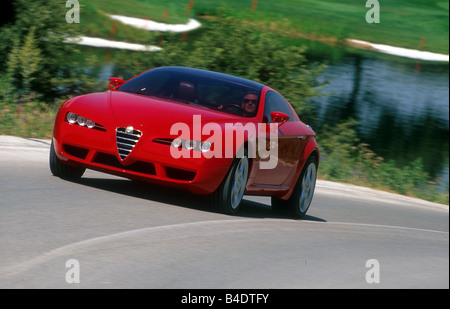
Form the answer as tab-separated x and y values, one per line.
275	102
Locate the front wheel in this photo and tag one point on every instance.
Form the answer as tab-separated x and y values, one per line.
300	200
62	170
228	196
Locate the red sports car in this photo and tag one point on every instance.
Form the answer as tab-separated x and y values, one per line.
208	132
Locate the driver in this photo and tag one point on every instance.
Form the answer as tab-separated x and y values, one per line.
250	104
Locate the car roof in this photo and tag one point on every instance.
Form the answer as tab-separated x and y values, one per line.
213	75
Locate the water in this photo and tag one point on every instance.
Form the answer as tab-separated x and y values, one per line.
402	106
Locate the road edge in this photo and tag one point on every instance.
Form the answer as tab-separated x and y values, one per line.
7	141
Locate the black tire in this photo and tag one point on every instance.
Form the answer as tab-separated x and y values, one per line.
62	170
300	200
228	197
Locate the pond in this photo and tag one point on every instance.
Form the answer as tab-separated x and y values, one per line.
402	106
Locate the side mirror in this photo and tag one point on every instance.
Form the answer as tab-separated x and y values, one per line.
115	82
279	117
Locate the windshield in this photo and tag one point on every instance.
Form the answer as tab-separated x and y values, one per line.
211	90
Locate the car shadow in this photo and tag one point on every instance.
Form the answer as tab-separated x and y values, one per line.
252	209
182	198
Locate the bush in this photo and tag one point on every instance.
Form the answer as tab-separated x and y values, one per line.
345	159
33	55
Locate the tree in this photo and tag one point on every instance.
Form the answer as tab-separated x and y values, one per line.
23	63
39	31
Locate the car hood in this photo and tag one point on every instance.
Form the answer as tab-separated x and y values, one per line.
159	115
114	109
145	109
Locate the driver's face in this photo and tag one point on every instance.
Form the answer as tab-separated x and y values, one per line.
250	103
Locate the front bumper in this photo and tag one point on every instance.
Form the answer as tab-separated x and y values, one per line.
149	161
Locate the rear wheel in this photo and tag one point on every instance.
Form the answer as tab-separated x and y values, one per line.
62	170
228	196
300	200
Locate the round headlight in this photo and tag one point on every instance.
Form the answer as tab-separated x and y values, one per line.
176	142
206	146
90	124
81	121
190	144
71	117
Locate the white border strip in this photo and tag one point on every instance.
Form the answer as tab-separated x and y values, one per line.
398	51
147	24
98	42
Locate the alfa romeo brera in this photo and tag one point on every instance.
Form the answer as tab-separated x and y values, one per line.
211	133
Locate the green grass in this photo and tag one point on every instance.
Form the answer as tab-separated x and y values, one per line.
94	22
403	22
27	119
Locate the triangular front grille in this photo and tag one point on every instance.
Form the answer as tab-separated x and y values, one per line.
126	141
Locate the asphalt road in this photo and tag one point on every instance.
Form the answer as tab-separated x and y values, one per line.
109	232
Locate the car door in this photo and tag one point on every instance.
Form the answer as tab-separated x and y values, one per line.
290	143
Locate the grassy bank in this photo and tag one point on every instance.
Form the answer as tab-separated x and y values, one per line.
344	158
27	119
403	23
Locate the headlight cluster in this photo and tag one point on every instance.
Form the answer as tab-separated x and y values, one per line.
81	121
192	145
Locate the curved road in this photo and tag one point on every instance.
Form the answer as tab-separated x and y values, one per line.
123	234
